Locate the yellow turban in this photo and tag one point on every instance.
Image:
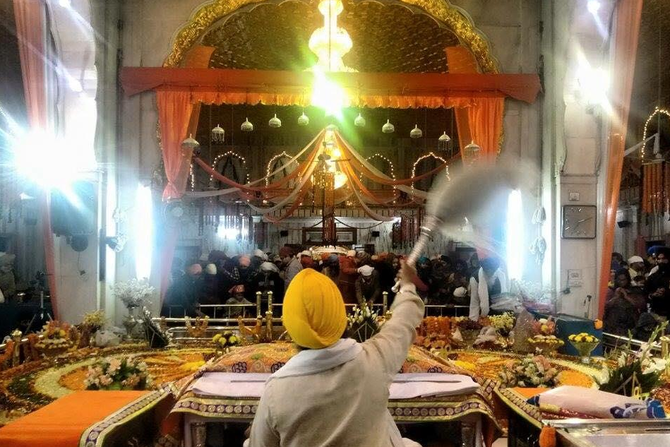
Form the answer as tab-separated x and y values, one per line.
314	313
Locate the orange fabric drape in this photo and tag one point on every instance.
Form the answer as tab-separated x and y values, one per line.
394	90
482	122
30	23
460	60
485	120
626	33
174	114
62	423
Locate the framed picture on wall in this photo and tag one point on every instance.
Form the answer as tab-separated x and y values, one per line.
314	236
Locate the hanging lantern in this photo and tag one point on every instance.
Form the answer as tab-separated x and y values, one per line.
218	135
443	141
416	132
388	127
471	153
274	122
247	126
189	144
303	120
359	121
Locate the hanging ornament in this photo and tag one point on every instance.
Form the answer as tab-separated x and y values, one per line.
247	126
359	121
218	135
471	153
416	132
189	144
444	138
303	119
388	127
274	122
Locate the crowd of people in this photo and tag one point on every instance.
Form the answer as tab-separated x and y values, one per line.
360	276
639	294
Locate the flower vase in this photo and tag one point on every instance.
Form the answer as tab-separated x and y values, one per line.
584	348
130	322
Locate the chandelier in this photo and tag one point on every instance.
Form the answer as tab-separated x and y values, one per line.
330	43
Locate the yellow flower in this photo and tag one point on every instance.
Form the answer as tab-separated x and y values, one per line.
232	340
216	338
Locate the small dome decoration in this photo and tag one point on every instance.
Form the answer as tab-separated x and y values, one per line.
416	132
218	134
359	121
247	126
274	122
388	127
444	138
303	120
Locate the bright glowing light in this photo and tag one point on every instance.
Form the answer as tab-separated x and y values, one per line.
327	95
74	84
593	84
144	231
231	233
515	241
330	42
593	6
65	3
50	161
340	180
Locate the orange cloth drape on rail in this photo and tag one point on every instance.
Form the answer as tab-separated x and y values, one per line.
626	33
29	16
61	423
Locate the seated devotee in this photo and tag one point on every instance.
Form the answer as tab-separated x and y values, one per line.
658	284
348	275
636	269
343	385
182	296
268	280
368	289
237	297
331	267
306	259
623	310
292	265
621	281
489	284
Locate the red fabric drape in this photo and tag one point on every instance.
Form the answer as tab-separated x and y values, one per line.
30	24
395	90
626	33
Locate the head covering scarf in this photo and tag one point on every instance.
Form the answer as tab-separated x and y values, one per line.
366	270
314	313
269	267
210	269
260	254
194	269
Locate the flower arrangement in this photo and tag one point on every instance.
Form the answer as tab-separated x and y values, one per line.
55	336
134	293
225	341
128	373
434	333
94	320
583	337
362	323
637	371
546	344
544	326
503	324
531	371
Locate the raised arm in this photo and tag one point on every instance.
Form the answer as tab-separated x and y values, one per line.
392	343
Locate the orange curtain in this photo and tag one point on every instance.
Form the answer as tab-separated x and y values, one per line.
485	120
626	32
460	60
30	23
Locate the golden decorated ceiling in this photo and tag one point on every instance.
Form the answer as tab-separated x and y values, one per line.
387	38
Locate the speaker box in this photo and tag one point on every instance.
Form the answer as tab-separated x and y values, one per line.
374	233
73	209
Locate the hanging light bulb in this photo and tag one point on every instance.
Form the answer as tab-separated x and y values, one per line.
218	135
416	132
388	127
359	121
189	144
247	126
303	119
274	122
471	153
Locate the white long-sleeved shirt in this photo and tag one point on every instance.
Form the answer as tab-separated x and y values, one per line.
345	405
480	300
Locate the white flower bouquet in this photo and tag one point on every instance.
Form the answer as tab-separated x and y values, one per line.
362	323
134	293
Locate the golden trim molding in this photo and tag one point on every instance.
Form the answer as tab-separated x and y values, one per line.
442	11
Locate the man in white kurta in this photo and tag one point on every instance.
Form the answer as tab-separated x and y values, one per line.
336	395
